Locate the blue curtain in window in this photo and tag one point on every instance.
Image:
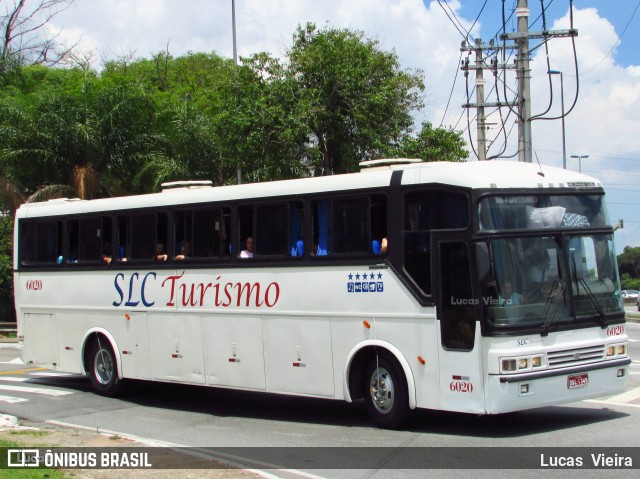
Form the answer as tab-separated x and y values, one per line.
323	227
295	221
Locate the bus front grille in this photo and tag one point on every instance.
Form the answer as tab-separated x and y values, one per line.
570	357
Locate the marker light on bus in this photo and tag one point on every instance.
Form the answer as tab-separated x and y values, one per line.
508	365
616	350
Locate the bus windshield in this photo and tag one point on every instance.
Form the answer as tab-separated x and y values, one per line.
530	282
528	212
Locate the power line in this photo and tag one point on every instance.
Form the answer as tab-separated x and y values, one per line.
596	156
616	43
455	78
452	21
610	173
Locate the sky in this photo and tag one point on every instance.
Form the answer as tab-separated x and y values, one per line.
604	124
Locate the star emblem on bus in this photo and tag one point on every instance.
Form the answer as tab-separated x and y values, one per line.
365	283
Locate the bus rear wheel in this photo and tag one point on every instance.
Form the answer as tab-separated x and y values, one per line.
387	398
103	369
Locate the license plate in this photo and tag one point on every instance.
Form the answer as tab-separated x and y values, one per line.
577	381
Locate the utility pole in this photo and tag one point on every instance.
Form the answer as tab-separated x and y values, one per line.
235	73
520	40
524	83
481	121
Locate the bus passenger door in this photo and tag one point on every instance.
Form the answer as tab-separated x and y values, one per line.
461	373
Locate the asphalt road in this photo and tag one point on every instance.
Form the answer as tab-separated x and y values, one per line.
176	415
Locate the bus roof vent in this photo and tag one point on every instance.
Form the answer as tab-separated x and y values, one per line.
387	163
186	185
62	200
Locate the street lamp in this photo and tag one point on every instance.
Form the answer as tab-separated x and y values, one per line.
564	148
580	157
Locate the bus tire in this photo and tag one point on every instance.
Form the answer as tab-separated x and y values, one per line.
103	369
386	397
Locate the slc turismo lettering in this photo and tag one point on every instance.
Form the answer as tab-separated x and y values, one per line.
598	460
216	293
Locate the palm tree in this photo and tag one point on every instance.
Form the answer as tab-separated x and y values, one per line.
89	138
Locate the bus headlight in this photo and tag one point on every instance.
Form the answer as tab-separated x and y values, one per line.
617	350
522	363
508	365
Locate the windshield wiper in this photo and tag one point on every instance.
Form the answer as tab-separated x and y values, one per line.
579	281
603	317
551	305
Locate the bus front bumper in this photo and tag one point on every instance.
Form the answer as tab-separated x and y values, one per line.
515	392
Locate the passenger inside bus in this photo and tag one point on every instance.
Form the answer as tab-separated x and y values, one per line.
248	251
185	251
539	269
160	254
384	245
106	255
508	296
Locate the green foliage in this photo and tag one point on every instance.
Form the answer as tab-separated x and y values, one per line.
627	282
629	263
7	312
81	132
352	96
432	145
27	473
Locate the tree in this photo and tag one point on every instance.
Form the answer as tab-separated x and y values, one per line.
6	267
82	133
432	145
193	152
10	199
218	118
24	38
352	97
629	262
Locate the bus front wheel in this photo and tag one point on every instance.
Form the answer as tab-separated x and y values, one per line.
387	397
104	369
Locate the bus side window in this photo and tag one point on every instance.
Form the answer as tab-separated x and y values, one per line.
379	224
86	239
321	227
123	237
350	221
245	231
296	228
272	230
147	232
426	211
42	242
457	317
182	234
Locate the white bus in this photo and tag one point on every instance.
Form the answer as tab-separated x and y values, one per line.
499	290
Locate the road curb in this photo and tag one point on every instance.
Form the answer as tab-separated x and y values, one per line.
8	422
